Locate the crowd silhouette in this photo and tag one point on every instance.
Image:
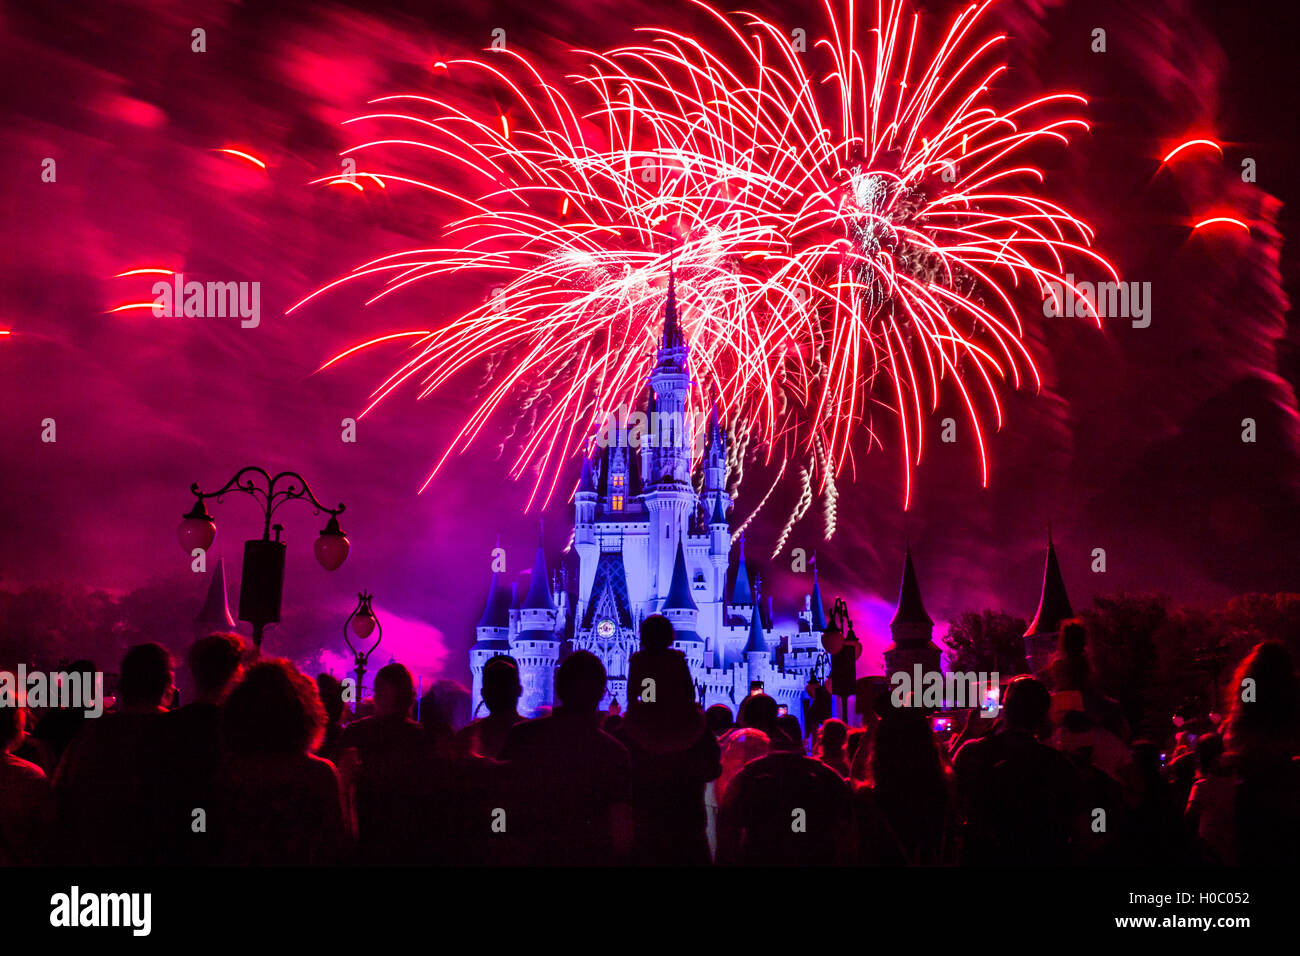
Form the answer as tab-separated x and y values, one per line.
268	767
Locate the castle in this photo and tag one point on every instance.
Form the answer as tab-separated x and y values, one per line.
648	542
651	539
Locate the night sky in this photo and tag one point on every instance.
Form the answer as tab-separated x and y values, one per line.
1133	444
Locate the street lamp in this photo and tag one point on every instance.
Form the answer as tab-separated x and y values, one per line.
362	622
262	581
842	650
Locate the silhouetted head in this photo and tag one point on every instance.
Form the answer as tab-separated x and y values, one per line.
834	735
1025	704
13	720
789	735
758	711
718	719
330	689
147	676
273	710
394	691
501	687
1267	677
1073	639
580	681
1209	751
214	663
656	633
1070	668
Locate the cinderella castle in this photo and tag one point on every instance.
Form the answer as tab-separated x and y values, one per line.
651	538
648	542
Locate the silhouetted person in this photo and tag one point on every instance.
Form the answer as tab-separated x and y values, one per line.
570	795
501	689
912	787
786	809
672	753
750	739
277	802
26	805
194	740
57	727
330	689
1156	833
1081	741
789	735
1073	688
1209	811
1262	740
395	774
109	787
833	736
1021	796
719	720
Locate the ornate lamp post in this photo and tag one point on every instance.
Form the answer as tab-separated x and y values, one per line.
262	581
842	650
362	622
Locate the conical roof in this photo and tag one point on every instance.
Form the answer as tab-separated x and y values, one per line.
756	644
741	595
1053	603
818	609
679	592
216	609
911	609
539	591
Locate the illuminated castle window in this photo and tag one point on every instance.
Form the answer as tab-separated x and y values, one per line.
616	503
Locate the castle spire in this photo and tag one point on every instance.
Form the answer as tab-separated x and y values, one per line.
1053	602
679	592
741	596
587	483
756	644
818	622
911	610
215	615
539	592
672	336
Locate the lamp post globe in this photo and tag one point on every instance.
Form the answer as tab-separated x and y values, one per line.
332	546
197	529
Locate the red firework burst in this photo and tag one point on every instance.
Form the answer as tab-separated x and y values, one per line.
849	219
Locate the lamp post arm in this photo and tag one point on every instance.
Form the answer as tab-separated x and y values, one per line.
270	497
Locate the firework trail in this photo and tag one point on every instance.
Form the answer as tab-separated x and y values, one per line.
800	509
831	495
850	220
735	535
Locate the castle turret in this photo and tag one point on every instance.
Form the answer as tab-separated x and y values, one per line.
492	634
715	465
911	628
668	495
680	608
817	609
1053	608
585	542
757	655
741	596
536	647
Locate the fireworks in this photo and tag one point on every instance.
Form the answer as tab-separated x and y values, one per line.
850	220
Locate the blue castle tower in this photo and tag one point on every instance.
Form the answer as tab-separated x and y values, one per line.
652	536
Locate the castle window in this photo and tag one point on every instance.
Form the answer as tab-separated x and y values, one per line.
618	482
616	503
